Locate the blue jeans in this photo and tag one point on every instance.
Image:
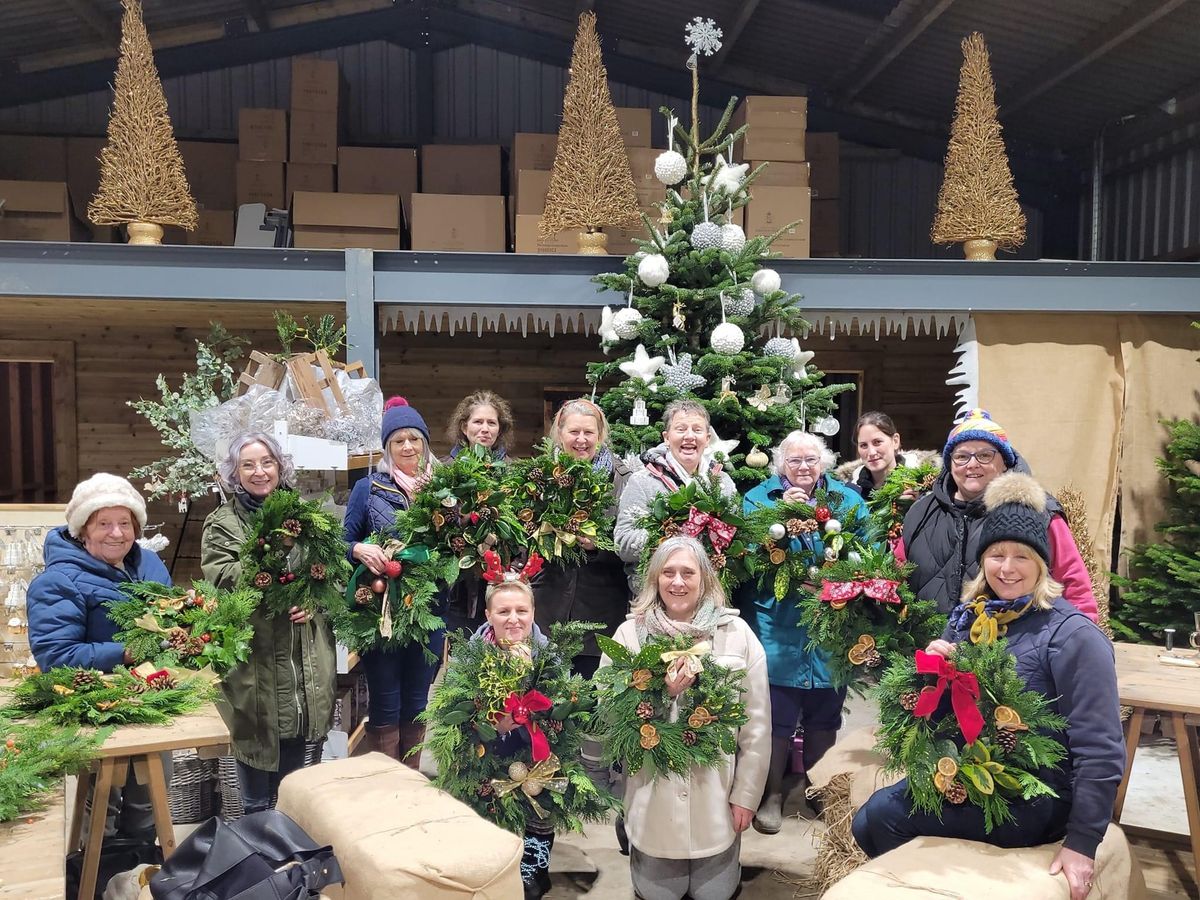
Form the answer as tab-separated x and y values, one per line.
887	820
398	680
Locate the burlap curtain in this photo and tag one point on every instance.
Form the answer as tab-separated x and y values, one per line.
1081	397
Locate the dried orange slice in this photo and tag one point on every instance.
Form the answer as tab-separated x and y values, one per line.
941	782
857	654
777	557
866	640
947	766
647	730
1007	717
837	604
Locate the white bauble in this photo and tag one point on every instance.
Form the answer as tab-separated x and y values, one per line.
813	571
765	282
779	347
706	235
741	303
733	238
833	526
854	556
776	532
830	554
654	270
625	323
670	167
827	425
756	459
727	339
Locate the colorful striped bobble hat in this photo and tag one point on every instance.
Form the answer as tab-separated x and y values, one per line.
978	425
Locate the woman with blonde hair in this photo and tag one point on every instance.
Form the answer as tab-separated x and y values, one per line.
682	597
1061	654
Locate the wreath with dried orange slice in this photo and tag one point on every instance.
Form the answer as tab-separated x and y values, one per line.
635	711
965	730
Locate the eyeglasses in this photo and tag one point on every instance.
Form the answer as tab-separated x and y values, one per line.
808	462
983	457
249	468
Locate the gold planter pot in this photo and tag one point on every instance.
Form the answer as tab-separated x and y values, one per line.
593	243
980	249
144	233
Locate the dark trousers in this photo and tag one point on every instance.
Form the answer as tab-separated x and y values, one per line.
585	666
260	788
887	820
398	680
811	709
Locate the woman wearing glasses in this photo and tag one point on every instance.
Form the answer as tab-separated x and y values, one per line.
802	693
941	530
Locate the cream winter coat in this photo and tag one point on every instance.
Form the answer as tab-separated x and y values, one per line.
688	817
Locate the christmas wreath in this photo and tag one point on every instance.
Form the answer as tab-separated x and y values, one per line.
637	725
142	696
294	554
888	504
394	609
545	781
986	748
34	757
185	627
787	559
700	510
463	511
865	611
559	499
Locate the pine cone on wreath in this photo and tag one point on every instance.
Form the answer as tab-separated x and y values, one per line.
956	793
564	480
486	789
909	700
689	738
162	683
177	638
486	513
531	528
873	660
670	529
1006	740
572	527
293	527
363	596
263	580
194	647
317	572
795	527
84	679
458	543
537	476
808	526
554	725
645	709
138	687
718	561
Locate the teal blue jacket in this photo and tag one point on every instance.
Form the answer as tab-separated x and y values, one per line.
790	662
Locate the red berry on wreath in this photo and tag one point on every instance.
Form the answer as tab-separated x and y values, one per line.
283	579
261	541
392	568
474	518
822	514
206	637
379	585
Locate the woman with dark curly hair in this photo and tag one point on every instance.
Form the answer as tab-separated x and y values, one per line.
481	418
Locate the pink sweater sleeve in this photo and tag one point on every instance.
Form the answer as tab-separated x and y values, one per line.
1068	568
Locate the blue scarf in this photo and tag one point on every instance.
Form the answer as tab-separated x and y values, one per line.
991	617
603	461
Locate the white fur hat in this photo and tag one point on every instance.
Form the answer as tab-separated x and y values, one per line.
99	492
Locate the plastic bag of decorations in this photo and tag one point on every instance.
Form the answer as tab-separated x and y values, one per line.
255	410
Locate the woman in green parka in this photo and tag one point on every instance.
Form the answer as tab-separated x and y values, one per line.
278	705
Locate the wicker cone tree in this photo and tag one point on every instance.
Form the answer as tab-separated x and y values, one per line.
142	179
591	186
977	204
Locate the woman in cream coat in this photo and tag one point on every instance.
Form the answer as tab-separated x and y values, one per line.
685	831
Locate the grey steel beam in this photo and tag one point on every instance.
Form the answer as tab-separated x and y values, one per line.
257	11
735	31
90	13
1132	21
360	310
906	22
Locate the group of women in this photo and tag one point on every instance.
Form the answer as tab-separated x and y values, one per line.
279	705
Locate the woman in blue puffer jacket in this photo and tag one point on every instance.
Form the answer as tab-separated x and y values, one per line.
87	561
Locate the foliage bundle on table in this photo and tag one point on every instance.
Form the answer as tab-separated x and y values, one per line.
635	709
864	611
786	559
482	683
193	628
464	510
70	696
394	609
560	498
986	749
34	757
888	504
700	510
294	554
699	315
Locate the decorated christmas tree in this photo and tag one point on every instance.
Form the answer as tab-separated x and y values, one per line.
977	203
591	186
1163	587
142	179
700	305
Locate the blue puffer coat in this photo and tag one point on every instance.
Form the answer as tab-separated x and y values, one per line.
372	507
785	640
68	620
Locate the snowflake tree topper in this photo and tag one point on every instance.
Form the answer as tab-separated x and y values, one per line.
703	36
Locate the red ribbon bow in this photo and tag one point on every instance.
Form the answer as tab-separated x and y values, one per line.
720	534
522	708
881	590
964	693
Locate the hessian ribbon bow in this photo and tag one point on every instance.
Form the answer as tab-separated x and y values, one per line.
522	707
881	590
692	662
720	534
964	693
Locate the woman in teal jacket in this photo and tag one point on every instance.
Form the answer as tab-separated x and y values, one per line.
802	692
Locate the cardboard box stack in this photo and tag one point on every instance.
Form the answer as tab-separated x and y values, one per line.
461	204
781	195
379	170
825	180
262	156
329	221
34	190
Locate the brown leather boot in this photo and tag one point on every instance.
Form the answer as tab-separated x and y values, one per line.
383	739
411	734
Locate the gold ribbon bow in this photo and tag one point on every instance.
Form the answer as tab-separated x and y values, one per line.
532	782
692	657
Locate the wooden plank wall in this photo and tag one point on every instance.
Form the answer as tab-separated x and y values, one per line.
122	346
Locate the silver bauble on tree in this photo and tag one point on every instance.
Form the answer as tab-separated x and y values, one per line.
654	270
782	348
765	282
706	235
670	167
625	323
727	339
733	238
740	302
